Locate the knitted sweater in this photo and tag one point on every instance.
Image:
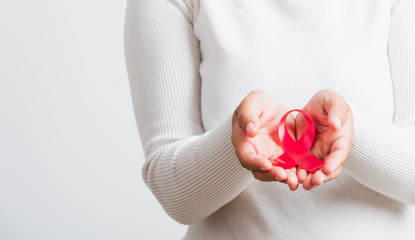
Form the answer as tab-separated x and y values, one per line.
191	62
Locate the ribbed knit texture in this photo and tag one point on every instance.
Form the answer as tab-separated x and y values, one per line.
383	154
192	173
191	62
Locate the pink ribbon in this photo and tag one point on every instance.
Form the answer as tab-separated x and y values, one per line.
297	152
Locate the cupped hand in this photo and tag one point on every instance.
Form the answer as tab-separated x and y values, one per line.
255	137
333	120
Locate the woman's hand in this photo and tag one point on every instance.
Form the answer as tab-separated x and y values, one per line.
333	120
255	137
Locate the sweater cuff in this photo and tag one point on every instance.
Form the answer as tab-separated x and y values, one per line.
381	156
216	147
205	175
360	148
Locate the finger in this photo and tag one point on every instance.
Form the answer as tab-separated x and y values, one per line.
248	113
262	176
278	173
338	154
249	159
255	162
307	184
294	170
337	110
293	187
275	174
318	178
334	175
292	180
301	174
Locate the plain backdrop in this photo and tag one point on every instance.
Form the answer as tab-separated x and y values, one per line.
70	153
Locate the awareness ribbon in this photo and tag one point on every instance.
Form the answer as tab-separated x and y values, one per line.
297	152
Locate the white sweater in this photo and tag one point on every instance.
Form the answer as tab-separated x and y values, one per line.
190	64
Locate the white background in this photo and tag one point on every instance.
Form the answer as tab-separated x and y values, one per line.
70	155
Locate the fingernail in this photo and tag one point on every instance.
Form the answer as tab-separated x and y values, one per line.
250	127
337	123
321	177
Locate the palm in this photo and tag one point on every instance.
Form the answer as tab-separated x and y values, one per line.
332	139
323	141
324	135
266	142
255	137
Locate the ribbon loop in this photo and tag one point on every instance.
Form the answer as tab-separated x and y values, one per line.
297	152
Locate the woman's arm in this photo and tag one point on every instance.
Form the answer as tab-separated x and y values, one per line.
382	156
192	173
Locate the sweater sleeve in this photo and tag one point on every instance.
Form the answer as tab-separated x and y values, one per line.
382	156
191	172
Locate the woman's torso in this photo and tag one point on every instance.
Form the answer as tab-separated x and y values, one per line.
292	49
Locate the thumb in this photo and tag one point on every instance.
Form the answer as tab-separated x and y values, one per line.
337	109
248	113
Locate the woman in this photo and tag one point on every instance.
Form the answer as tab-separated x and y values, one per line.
208	137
